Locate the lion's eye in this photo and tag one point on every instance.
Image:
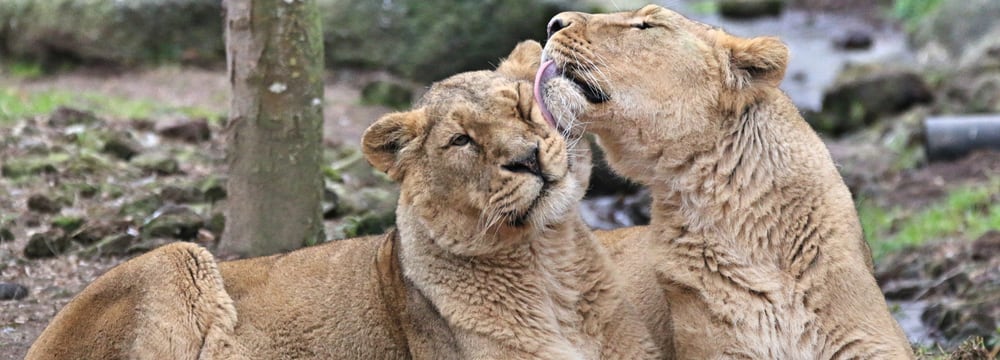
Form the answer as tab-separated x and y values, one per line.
642	26
460	140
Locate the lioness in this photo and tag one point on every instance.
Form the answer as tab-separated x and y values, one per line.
754	241
490	261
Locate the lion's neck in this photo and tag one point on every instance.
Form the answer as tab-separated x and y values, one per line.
753	195
535	295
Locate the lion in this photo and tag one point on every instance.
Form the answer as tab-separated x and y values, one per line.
490	259
755	249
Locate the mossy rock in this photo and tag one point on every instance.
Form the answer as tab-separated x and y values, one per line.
68	224
387	93
176	222
47	244
33	165
862	95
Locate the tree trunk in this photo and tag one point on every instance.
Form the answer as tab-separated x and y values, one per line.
274	52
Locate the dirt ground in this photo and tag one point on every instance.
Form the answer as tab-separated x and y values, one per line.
53	282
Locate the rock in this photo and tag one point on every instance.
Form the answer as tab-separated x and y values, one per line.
141	207
157	162
47	244
176	222
6	234
854	40
862	95
959	320
12	291
43	204
750	9
99	229
213	188
122	145
117	244
986	246
189	130
368	223
181	194
387	93
33	165
955	25
65	116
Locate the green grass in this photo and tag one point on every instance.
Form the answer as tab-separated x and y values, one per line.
16	104
966	212
911	12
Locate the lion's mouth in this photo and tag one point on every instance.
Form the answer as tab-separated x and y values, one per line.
593	93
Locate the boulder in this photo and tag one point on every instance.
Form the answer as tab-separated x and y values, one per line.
861	95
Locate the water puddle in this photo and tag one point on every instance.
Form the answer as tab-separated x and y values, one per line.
814	61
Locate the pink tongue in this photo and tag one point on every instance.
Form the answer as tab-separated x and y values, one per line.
545	72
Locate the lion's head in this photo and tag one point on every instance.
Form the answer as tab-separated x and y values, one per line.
476	161
652	83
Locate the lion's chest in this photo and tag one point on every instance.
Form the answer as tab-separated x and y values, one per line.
723	308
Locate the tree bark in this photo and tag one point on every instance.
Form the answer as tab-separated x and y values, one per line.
274	54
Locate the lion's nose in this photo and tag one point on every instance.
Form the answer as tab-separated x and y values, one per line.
526	164
557	23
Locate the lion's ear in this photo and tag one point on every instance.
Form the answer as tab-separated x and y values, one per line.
757	60
385	140
523	61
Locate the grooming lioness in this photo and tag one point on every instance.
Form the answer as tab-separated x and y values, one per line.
755	244
490	261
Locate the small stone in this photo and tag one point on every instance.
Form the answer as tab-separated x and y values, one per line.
189	130
122	145
47	244
117	244
43	204
986	246
177	222
141	207
750	9
158	163
213	188
6	234
65	116
12	291
180	194
98	230
854	40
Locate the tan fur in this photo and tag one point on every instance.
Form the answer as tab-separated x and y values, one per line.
490	261
755	247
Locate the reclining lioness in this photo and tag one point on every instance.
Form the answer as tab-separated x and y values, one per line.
755	250
490	260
